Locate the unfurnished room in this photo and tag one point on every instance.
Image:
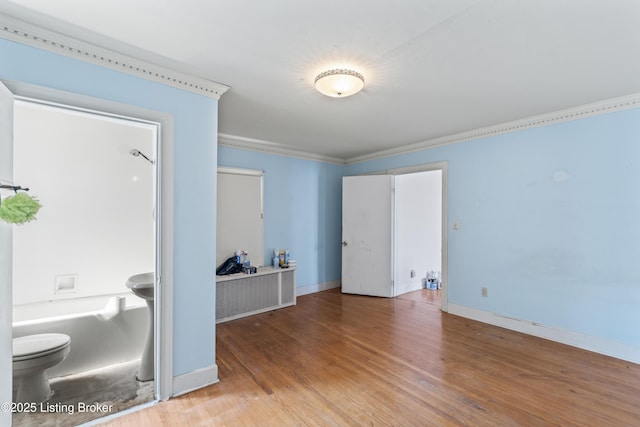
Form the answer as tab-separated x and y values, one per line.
339	213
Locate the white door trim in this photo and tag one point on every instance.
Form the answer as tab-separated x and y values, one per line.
165	200
6	254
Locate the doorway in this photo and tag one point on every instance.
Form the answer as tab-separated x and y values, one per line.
418	231
70	266
161	174
406	200
432	189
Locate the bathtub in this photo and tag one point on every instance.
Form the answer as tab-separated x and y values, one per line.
104	330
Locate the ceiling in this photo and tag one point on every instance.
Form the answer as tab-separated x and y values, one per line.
432	68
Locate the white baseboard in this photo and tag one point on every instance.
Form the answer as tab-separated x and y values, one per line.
586	342
311	289
195	380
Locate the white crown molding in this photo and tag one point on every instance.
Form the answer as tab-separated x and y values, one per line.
232	141
17	30
575	113
25	33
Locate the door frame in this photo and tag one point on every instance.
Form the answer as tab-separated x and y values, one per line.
164	199
7	101
442	166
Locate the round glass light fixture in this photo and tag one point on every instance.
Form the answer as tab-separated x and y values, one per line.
339	83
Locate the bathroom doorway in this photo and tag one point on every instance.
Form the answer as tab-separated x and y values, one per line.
96	176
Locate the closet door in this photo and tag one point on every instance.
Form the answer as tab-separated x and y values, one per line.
240	222
367	235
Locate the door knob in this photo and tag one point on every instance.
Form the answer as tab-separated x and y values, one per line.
344	243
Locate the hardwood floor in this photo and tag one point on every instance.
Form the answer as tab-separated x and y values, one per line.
346	360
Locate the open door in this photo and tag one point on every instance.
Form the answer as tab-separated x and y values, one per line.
6	178
367	235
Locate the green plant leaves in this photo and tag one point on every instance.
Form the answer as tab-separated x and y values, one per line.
19	208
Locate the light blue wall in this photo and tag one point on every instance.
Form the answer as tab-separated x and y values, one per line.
195	132
549	222
548	216
303	210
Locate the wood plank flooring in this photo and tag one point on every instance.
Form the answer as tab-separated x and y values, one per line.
346	360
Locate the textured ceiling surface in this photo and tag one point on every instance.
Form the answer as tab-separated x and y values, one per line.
432	68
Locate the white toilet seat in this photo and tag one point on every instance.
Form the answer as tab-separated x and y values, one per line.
39	345
32	356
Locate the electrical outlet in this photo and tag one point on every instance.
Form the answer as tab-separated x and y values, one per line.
485	292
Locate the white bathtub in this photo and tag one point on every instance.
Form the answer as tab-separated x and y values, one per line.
104	330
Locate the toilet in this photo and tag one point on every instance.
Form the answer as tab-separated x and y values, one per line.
32	356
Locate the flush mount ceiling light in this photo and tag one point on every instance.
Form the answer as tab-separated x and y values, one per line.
339	83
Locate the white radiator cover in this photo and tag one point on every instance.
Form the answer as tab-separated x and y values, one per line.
240	295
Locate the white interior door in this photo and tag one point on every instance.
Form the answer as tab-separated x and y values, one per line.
367	235
6	177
